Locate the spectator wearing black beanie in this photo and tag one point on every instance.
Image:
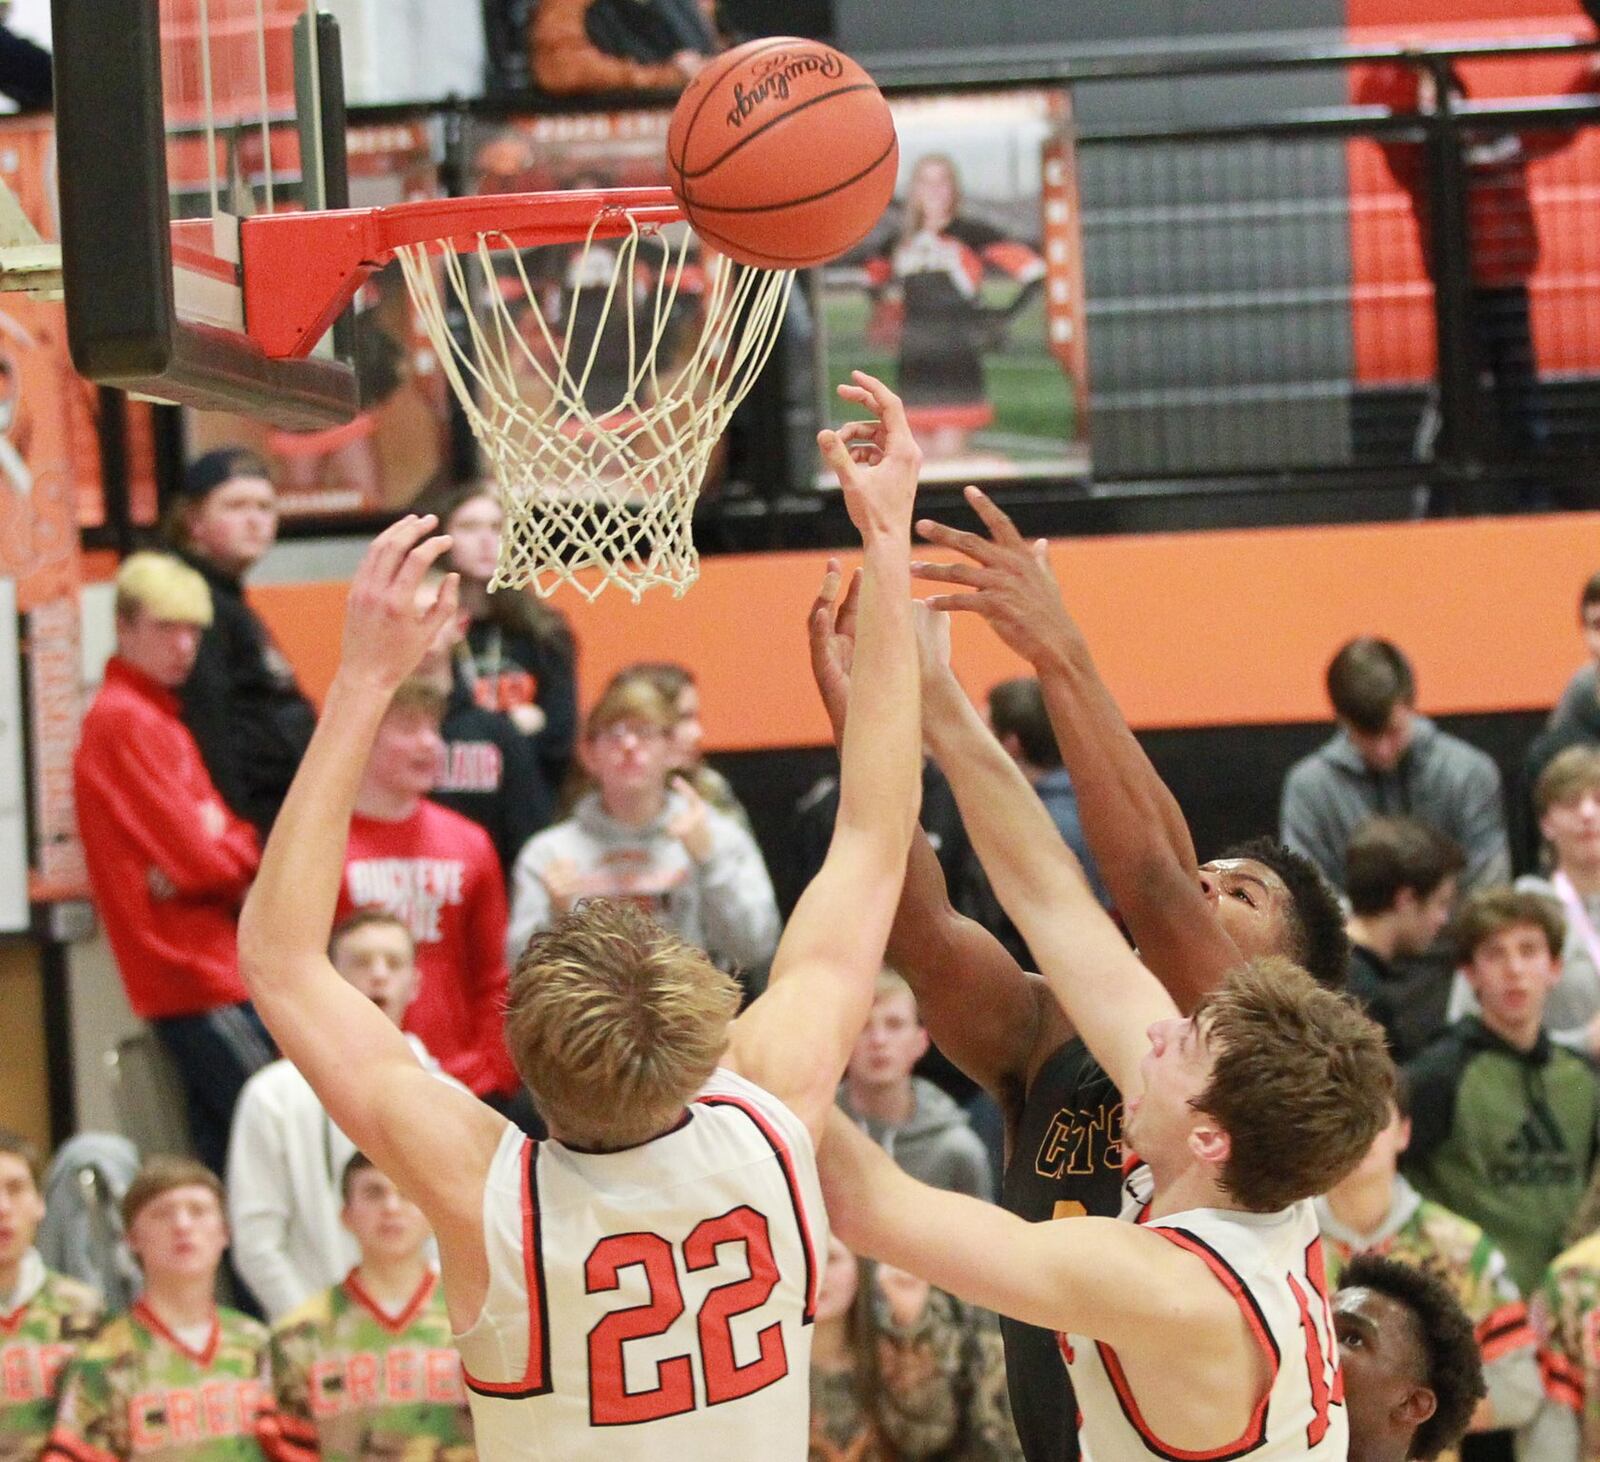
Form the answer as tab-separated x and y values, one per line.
241	703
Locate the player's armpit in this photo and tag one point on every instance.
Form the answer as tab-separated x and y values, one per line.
978	1004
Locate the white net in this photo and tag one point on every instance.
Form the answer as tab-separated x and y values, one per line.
598	392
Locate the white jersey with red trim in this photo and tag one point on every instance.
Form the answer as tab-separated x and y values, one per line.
655	1302
1272	1264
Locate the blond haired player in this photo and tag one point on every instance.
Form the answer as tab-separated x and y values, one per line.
641	1285
1202	1327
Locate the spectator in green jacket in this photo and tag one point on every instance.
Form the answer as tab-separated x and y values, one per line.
1504	1121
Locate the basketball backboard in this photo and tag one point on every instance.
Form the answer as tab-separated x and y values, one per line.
176	119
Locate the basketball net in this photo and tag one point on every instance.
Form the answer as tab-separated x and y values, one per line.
597	466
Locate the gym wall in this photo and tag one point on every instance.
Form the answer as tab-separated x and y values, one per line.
1214	644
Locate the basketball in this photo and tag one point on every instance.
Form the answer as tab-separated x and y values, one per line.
782	153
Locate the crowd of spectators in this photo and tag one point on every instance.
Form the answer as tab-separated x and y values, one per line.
487	808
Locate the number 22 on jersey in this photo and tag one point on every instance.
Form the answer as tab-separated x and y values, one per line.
723	1378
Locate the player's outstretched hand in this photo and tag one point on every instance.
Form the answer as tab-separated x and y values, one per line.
875	461
389	622
1015	590
831	627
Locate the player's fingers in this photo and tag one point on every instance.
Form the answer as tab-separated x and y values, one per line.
974	545
446	604
388	549
884	402
408	577
861	431
958	603
952	573
845	621
837	456
828	591
999	523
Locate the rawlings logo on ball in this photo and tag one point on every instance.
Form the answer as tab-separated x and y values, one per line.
773	78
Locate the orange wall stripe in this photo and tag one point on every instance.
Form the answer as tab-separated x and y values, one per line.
1195	629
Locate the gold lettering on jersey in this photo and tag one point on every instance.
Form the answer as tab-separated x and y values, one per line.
1080	1142
1069	1208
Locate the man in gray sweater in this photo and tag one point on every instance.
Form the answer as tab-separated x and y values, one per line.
1384	760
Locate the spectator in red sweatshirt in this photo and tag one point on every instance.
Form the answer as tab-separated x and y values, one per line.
169	864
437	871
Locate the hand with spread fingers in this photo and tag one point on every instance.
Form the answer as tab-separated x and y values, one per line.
876	461
1014	588
389	622
831	627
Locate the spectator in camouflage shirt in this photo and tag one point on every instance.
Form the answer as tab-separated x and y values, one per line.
366	1370
176	1379
1376	1211
900	1370
45	1318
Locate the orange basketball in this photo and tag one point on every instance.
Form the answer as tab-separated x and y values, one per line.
782	153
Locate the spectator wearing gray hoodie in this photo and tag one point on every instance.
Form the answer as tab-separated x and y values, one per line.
647	836
1385	760
920	1127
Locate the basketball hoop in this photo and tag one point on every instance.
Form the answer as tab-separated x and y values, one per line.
597	452
597	471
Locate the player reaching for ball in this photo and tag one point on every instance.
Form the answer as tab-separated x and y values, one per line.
641	1285
1202	1327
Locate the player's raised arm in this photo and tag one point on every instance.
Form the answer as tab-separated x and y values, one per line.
1130	818
1115	1282
434	1141
796	1039
982	1010
1106	992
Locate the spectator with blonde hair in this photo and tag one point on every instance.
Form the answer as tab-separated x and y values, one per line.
1566	798
169	863
908	1116
644	834
682	692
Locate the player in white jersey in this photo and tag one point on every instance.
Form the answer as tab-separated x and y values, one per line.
1199	1325
642	1284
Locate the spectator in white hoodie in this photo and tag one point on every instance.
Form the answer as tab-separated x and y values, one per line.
285	1157
646	835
